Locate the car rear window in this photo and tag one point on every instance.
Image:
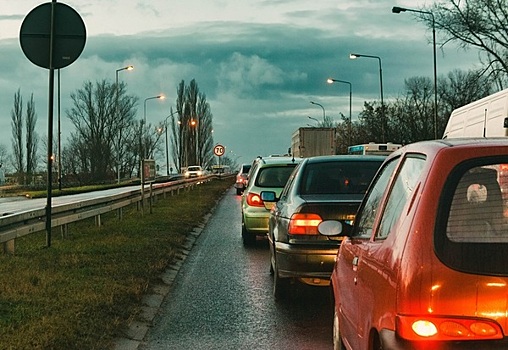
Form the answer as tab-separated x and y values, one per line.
245	169
474	235
338	177
274	176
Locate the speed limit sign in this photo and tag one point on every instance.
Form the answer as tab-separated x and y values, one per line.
219	150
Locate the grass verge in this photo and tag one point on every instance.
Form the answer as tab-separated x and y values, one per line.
82	291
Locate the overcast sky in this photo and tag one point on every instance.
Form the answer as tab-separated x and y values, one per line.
259	62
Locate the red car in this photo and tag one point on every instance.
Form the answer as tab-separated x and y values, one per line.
425	265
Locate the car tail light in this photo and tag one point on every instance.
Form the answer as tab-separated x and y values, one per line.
447	328
304	224
254	200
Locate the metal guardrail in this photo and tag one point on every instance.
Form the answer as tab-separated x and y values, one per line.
21	224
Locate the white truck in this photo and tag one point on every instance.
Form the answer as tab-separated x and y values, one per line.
310	142
487	117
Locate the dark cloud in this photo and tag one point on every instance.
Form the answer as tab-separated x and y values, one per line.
258	78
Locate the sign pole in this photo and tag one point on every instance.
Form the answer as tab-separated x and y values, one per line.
50	125
52	50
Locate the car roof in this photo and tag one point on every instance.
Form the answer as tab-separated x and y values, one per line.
435	146
345	157
277	160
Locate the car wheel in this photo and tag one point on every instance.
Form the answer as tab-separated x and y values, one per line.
337	341
249	239
280	285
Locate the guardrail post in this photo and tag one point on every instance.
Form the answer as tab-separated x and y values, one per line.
150	198
63	230
8	247
98	220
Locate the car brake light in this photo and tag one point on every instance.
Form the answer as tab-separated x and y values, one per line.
254	200
304	224
447	328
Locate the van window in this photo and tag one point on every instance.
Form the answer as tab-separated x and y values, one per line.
473	234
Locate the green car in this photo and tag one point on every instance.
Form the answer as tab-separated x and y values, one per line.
266	174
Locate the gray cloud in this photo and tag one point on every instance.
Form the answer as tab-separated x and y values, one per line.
258	78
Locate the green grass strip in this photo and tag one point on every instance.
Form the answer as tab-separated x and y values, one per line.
82	291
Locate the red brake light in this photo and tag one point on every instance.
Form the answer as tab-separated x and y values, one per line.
304	224
254	200
447	328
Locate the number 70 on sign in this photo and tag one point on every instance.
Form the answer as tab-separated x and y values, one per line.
219	150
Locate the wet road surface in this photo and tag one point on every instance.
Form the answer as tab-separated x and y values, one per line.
222	297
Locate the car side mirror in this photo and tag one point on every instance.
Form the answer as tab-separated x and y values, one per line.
268	196
330	228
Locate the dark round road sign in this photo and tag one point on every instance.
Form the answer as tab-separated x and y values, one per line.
219	150
69	35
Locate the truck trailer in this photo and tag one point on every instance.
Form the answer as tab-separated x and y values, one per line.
486	117
310	142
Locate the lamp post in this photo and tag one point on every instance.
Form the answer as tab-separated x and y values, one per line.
195	141
317	121
353	56
116	111
398	10
323	108
160	97
331	81
166	136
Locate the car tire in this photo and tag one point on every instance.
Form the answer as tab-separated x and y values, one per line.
249	239
272	257
280	285
337	340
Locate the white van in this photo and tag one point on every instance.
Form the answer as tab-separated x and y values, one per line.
487	117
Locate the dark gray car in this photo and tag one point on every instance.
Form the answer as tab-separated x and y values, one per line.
320	188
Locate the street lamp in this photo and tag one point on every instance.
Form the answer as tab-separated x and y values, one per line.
166	135
353	56
160	97
331	81
398	10
317	121
323	108
116	109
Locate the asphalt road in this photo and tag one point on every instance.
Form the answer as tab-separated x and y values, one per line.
222	297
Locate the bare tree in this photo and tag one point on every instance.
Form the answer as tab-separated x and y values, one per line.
18	156
125	120
3	156
459	88
32	139
205	133
98	126
410	118
192	137
477	24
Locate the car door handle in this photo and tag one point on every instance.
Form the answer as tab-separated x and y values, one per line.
355	261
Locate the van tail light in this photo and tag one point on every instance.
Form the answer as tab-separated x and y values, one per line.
436	328
254	200
304	224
